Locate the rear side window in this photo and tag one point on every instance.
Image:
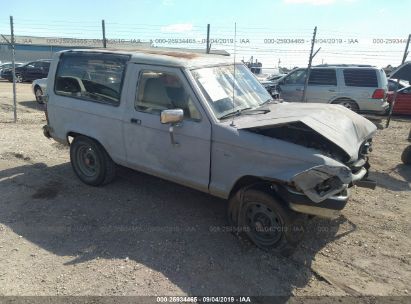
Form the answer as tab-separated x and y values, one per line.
323	77
91	76
361	78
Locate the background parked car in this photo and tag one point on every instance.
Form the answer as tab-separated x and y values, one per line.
39	87
270	83
276	77
394	85
7	65
357	87
29	71
402	101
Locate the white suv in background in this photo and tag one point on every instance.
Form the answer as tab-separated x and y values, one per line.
360	88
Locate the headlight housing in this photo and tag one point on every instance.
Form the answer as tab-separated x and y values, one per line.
321	182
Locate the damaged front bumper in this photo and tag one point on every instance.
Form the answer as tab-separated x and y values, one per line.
324	190
299	202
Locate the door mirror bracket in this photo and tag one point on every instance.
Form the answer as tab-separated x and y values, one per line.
174	117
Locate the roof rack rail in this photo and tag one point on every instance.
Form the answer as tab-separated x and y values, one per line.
345	65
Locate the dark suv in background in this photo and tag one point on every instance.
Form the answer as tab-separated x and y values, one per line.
29	71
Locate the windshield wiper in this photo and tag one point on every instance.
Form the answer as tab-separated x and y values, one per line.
246	111
235	113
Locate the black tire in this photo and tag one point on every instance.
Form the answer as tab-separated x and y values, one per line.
348	103
38	93
90	162
285	227
406	156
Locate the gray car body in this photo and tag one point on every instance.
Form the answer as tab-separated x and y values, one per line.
362	96
41	83
213	155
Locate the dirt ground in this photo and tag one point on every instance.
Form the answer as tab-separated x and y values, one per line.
142	235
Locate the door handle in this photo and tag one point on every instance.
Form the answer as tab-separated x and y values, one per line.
135	121
331	90
299	90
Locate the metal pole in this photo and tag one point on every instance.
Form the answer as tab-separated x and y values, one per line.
13	60
406	50
103	26
404	57
309	66
208	39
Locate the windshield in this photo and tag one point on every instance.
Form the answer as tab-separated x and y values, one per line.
216	83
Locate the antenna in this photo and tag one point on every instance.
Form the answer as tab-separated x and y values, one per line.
235	51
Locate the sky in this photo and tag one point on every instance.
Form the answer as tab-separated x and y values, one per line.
274	32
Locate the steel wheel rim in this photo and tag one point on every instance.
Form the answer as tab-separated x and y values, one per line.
265	225
347	105
87	161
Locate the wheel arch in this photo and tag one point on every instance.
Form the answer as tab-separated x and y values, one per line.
76	134
36	86
342	98
252	182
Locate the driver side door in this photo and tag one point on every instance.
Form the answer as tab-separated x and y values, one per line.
148	143
292	86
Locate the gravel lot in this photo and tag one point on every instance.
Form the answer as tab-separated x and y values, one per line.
145	236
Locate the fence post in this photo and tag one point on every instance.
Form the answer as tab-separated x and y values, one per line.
13	60
309	66
103	26
208	39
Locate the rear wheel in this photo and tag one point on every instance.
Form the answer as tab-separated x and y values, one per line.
406	156
90	161
348	103
266	221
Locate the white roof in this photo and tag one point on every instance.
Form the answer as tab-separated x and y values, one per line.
166	57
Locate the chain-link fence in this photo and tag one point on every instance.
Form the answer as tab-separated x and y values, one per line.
267	51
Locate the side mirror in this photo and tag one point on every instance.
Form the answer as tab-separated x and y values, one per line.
173	116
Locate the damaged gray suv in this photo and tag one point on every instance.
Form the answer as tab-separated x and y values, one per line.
206	123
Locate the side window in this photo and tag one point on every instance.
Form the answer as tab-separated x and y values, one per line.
323	77
297	77
361	78
35	65
91	76
44	65
159	91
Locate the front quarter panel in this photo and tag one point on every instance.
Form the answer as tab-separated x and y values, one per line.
239	153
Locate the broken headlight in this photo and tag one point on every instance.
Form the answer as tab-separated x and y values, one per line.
321	182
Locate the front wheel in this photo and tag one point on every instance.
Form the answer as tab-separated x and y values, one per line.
266	221
90	162
39	95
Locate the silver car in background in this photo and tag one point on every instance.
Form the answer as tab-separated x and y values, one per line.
39	89
360	88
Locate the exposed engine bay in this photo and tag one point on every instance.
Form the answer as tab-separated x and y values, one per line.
300	134
321	182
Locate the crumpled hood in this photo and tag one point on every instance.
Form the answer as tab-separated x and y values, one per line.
346	129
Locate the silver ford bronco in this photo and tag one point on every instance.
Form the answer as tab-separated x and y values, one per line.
204	122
